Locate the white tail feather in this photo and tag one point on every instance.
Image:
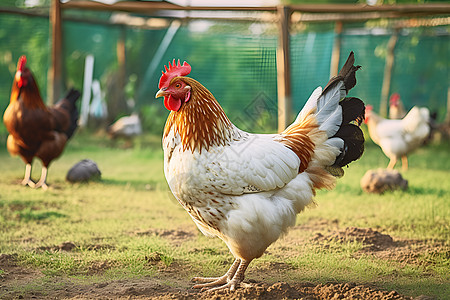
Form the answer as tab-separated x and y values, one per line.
309	105
329	112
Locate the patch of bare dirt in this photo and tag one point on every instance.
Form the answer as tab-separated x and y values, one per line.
283	290
279	290
176	236
385	247
13	274
371	239
71	246
99	267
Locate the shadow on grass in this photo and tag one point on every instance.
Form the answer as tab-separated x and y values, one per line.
18	204
29	214
136	184
414	190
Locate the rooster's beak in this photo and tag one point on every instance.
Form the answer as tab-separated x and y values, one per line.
161	93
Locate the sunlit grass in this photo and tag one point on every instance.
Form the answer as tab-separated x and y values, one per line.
103	219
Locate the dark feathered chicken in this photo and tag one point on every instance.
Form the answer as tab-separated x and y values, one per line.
34	129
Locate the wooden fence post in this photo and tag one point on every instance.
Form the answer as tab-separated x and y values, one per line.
55	72
385	88
283	69
336	53
121	61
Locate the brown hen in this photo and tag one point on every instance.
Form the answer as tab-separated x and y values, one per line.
36	130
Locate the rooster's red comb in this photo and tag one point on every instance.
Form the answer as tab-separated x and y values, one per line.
21	63
174	70
394	97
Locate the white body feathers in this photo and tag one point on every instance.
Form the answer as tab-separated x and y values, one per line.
399	137
248	191
128	126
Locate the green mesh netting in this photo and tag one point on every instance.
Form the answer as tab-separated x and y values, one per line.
236	61
22	35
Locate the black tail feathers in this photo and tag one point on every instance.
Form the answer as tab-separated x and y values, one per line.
353	110
347	74
68	104
353	114
73	96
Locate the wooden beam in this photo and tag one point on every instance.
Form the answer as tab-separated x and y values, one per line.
138	6
297	16
422	19
336	52
385	88
430	8
283	69
55	72
128	6
29	12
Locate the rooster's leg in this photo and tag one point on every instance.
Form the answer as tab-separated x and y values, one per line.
231	283
41	183
392	163
27	178
215	281
404	163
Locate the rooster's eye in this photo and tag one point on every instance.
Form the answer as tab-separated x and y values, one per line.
178	85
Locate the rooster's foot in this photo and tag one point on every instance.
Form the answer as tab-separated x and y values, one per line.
28	182
215	281
41	185
205	282
232	279
232	285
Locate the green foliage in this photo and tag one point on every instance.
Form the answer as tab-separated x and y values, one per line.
154	117
19	36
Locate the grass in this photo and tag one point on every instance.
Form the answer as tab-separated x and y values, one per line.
113	223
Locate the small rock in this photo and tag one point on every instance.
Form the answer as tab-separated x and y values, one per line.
382	180
84	171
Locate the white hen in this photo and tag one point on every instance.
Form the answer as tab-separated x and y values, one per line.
127	126
397	138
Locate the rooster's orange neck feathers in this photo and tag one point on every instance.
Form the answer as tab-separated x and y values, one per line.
201	122
29	94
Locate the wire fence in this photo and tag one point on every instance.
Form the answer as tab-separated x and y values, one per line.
236	61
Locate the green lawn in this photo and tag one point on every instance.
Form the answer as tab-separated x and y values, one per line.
126	225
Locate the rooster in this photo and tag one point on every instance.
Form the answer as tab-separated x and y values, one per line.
396	108
248	188
397	138
34	129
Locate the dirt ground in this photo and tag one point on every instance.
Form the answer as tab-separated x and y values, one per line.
375	243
